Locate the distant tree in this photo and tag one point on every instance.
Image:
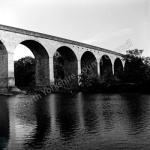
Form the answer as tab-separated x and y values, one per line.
137	69
146	62
134	53
25	72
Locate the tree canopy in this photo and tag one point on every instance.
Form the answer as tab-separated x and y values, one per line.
137	68
25	72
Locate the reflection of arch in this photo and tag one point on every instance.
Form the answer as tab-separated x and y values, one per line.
66	67
42	61
89	64
90	116
3	66
66	119
105	66
118	67
43	124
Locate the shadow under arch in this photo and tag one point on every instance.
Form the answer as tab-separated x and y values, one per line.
105	66
118	67
41	61
89	64
66	67
3	67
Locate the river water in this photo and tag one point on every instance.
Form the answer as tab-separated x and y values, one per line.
76	122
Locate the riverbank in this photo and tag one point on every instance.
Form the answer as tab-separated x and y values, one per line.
120	88
101	88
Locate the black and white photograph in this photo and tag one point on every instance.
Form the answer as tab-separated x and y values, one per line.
74	74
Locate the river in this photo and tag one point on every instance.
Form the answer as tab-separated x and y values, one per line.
76	122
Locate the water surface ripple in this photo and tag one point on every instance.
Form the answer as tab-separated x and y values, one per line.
80	121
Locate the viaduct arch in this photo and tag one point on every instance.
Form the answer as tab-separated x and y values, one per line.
41	61
49	50
118	67
89	64
65	64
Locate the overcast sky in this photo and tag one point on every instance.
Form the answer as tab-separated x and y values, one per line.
104	23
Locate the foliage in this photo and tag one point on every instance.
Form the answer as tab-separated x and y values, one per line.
95	83
87	82
107	77
134	53
25	72
137	68
136	71
58	66
136	74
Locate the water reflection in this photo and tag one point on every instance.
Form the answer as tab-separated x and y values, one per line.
42	129
136	112
107	115
67	120
80	121
89	112
114	120
4	123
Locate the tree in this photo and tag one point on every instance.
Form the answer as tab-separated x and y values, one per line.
134	53
25	72
137	69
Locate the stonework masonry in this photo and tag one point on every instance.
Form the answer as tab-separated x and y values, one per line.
43	47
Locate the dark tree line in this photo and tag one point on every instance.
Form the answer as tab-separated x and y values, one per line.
136	72
137	68
134	78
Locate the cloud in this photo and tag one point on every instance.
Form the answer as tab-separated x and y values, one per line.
107	36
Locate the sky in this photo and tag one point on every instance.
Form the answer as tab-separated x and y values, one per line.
103	23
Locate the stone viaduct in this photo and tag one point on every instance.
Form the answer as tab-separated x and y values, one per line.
75	57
